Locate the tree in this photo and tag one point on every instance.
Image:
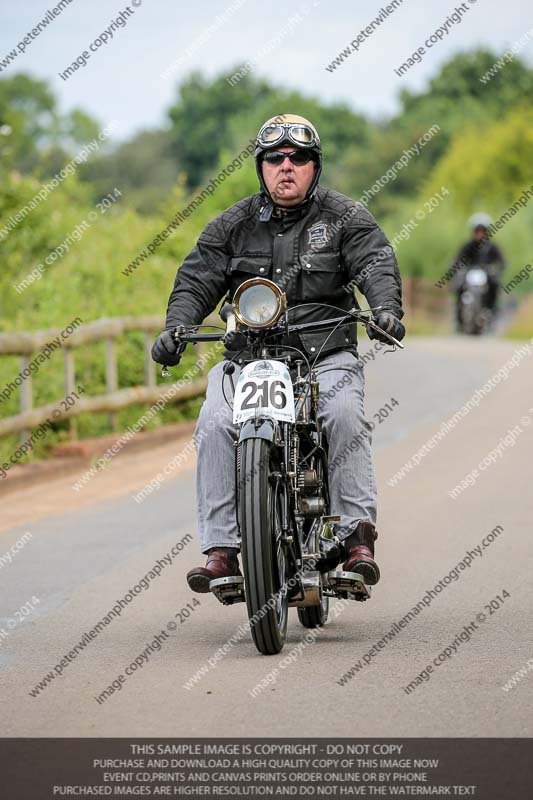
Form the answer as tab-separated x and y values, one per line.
457	94
201	116
488	167
144	168
27	114
210	116
34	137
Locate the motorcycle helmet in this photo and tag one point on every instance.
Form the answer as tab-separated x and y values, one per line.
480	220
287	129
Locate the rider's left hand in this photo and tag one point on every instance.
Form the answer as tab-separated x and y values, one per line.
235	340
390	324
166	350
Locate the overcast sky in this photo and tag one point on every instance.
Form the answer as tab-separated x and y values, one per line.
122	79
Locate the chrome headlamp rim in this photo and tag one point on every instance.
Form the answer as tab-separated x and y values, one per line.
280	296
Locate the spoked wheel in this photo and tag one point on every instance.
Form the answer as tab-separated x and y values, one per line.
264	557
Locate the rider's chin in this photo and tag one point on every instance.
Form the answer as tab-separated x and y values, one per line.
287	193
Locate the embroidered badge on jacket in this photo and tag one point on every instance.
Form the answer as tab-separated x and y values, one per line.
318	234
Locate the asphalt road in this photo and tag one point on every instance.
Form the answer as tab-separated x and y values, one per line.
89	548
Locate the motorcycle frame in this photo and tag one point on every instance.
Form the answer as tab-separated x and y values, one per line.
299	545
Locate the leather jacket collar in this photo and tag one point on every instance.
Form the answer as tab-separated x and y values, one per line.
268	210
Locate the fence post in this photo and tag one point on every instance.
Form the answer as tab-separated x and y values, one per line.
70	384
149	363
26	393
414	293
111	377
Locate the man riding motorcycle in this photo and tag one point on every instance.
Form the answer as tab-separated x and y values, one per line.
482	253
316	244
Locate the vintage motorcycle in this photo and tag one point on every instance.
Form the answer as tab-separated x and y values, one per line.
474	314
288	548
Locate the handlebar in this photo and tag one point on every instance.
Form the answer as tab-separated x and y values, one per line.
189	336
182	335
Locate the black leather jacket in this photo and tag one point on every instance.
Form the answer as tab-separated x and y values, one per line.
316	253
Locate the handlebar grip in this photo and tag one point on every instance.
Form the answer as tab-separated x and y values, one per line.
225	311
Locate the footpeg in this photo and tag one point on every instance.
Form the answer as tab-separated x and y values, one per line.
349	585
228	590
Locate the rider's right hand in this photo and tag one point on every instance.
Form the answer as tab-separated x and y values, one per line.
389	323
166	351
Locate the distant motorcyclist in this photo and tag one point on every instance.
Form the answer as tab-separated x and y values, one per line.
482	253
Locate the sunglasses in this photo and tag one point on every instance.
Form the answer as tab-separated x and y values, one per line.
296	157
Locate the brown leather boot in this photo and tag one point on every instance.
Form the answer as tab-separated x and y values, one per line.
359	546
222	562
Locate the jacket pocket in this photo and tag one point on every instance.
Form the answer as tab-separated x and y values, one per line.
241	268
252	265
322	276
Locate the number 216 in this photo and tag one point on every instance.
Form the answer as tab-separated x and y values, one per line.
274	390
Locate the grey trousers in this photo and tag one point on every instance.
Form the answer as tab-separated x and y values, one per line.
352	481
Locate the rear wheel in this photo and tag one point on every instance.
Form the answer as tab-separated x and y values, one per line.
317	616
264	557
314	616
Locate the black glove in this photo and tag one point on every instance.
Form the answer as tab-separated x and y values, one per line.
235	340
166	351
390	324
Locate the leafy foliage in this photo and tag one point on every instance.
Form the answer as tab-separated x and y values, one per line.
33	135
144	168
489	165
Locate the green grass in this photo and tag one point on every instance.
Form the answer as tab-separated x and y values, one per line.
522	325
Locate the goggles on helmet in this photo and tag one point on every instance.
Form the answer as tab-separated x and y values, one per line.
296	132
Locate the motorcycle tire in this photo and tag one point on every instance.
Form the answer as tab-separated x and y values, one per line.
263	554
314	616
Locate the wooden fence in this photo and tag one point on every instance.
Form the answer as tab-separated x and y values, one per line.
27	345
421	294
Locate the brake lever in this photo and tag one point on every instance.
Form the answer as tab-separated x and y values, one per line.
389	337
165	372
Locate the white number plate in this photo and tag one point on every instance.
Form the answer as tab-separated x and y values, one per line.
264	388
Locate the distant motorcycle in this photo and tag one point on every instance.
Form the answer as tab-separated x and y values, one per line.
289	551
474	313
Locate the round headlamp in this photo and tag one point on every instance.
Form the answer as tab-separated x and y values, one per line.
258	303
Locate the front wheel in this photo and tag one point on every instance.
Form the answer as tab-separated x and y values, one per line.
264	557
